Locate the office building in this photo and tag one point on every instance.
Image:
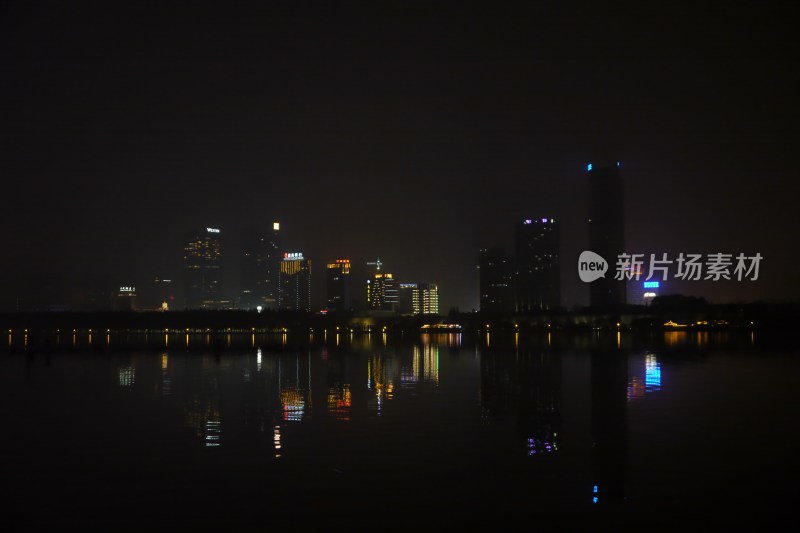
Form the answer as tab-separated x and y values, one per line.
337	281
429	298
606	232
408	299
418	298
537	266
125	299
382	292
260	262
294	279
496	280
202	269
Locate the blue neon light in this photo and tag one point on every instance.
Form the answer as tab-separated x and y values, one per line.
651	284
589	167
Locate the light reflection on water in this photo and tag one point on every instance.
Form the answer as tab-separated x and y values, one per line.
537	424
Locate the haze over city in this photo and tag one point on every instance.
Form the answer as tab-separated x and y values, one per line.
346	264
416	133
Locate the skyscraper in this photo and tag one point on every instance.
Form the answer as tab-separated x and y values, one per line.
496	280
408	299
429	298
418	298
337	277
260	263
606	232
202	269
382	292
538	270
294	282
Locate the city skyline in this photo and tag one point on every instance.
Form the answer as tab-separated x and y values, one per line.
528	281
322	262
414	133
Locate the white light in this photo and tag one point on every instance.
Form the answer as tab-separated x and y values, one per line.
212	230
276	226
259	308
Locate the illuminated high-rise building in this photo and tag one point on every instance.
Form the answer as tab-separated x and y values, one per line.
606	232
337	277
429	298
538	270
496	279
294	278
418	298
383	292
202	269
260	262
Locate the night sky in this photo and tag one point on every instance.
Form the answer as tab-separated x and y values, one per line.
413	132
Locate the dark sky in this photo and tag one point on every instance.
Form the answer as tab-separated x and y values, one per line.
416	132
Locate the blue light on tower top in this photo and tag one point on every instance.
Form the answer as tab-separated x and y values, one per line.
617	163
651	284
589	167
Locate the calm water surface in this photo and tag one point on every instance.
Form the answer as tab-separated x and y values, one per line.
603	432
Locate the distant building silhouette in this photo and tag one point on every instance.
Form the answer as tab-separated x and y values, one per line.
634	290
538	270
408	298
260	262
337	281
202	269
156	293
496	280
606	232
294	282
125	299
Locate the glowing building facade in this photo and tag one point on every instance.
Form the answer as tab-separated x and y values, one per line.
294	278
383	292
418	298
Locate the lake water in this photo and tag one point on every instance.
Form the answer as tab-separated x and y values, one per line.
606	432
